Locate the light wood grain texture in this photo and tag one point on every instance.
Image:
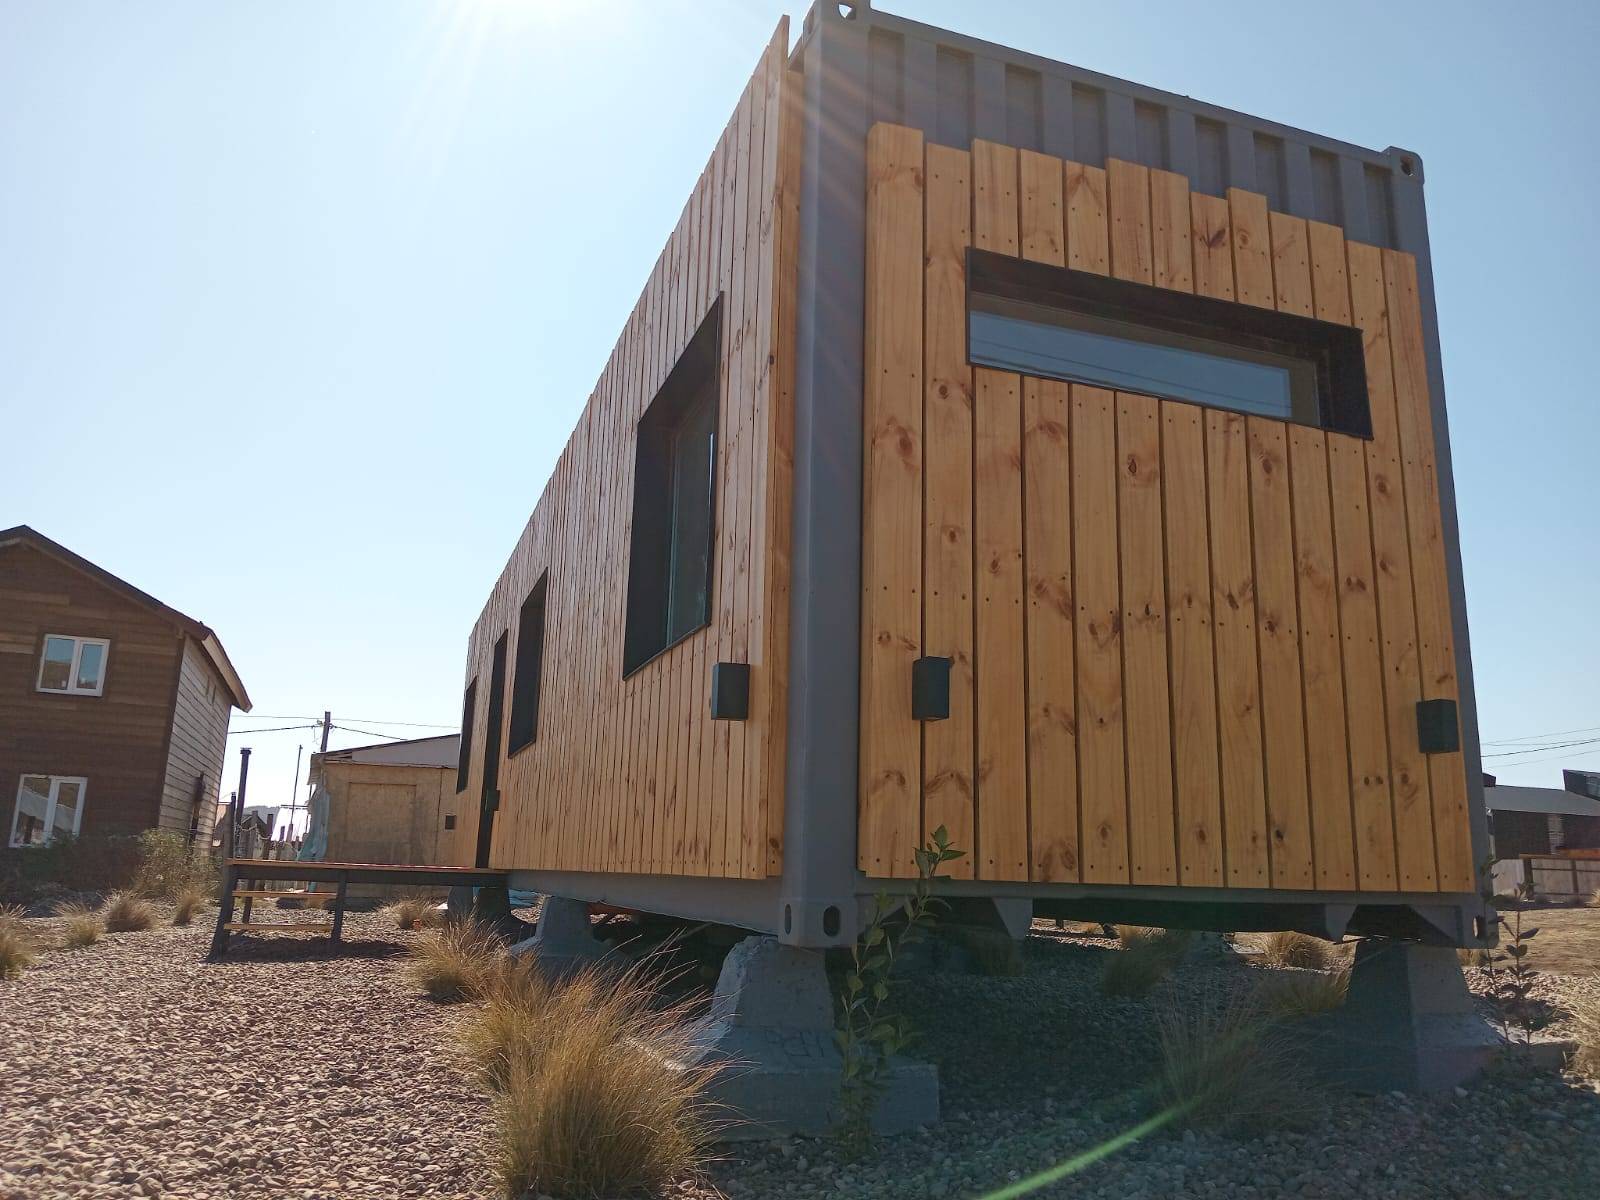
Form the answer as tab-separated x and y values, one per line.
1386	499
948	745
1430	579
891	603
1088	238
1102	784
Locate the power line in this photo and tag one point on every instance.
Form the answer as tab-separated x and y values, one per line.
318	720
1541	749
1534	737
370	733
274	729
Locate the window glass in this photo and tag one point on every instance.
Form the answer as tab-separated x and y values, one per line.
671	540
530	668
29	827
90	661
56	673
1061	344
694	456
69	795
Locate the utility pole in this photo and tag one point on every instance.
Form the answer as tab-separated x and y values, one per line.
236	813
327	723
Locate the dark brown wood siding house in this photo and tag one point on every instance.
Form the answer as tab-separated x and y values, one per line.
113	707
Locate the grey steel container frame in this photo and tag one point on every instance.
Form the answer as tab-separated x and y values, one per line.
861	66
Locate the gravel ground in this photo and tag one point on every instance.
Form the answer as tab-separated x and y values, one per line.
133	1068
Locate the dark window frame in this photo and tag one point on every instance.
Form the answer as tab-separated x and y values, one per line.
653	545
528	672
469	713
1335	351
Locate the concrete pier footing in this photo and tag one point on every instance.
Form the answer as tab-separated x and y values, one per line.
772	1022
1407	1024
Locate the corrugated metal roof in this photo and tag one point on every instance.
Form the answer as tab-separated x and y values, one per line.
1506	798
956	88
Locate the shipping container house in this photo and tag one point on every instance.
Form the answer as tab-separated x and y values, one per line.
1000	446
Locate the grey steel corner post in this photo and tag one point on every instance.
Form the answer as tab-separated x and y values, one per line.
1411	235
817	896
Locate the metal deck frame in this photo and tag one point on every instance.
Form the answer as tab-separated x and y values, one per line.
860	66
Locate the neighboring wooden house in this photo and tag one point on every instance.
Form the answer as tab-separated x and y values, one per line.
114	707
388	803
1000	446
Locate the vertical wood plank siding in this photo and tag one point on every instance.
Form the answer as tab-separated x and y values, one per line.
1187	643
632	775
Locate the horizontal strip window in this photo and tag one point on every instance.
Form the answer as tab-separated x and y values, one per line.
1057	323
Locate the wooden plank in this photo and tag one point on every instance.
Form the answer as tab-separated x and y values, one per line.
1002	790
1041	232
1000	663
1411	790
1052	704
1372	816
1429	571
1128	195
1101	780
890	814
1212	243
1088	239
947	746
1151	832
1047	558
1172	254
1196	785
1322	673
1252	248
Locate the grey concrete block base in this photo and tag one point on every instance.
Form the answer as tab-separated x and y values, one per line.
771	1022
565	941
1408	1023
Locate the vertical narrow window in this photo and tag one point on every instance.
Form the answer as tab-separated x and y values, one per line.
674	493
469	708
530	668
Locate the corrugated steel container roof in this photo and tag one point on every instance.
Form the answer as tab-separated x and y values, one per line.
957	88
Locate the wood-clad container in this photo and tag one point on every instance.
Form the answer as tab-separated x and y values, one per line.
1186	644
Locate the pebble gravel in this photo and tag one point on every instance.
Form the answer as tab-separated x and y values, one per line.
135	1069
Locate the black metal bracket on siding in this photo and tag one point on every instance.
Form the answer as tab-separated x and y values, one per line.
930	689
1438	727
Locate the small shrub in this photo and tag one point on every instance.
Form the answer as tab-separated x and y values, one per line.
127	913
169	864
16	951
1473	956
1145	959
84	925
413	912
1224	1064
1594	900
1292	994
594	1097
1290	949
1585	1031
186	903
456	962
12	916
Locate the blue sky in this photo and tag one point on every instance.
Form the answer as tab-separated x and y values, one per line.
299	301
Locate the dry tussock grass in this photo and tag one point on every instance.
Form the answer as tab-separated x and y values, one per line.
16	950
1290	949
1586	1032
84	925
413	912
1144	960
1292	994
12	916
590	1093
127	912
1225	1064
455	962
186	903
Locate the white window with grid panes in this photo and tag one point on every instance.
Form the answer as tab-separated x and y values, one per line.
73	666
48	806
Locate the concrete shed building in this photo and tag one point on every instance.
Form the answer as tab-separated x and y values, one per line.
1000	446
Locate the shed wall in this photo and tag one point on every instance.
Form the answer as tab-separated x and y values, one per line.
387	813
1188	644
195	752
631	775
